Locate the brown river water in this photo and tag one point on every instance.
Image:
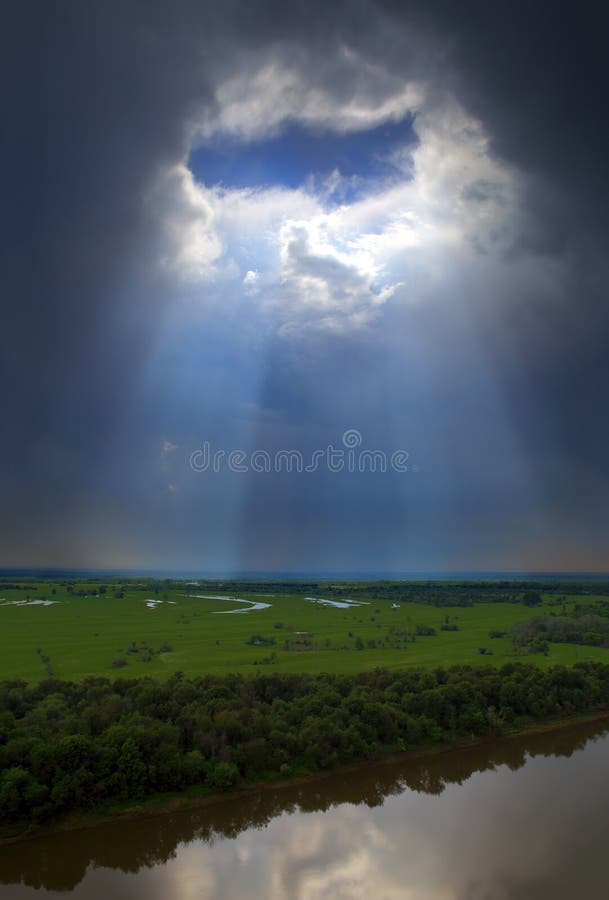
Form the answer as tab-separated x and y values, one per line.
524	818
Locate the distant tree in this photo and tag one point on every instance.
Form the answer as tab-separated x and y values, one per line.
531	598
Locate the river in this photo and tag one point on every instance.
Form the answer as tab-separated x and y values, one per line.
523	818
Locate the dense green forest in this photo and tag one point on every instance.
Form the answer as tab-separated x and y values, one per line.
68	746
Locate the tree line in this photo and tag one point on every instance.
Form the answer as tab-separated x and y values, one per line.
534	634
75	746
463	593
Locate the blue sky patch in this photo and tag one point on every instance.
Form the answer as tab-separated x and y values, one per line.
298	153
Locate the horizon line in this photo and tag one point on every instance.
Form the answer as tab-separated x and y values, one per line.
297	575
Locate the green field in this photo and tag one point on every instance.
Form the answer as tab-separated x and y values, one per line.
78	636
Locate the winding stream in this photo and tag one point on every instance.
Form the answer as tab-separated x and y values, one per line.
252	605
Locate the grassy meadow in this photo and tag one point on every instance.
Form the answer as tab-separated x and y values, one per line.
104	634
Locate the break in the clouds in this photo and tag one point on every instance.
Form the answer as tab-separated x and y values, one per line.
329	250
262	226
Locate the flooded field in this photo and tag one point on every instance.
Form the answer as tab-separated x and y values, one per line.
518	819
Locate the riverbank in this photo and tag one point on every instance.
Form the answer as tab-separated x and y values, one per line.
197	797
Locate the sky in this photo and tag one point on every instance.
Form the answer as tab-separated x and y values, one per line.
304	287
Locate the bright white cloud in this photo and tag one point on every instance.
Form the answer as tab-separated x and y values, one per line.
192	243
312	265
459	186
250	282
257	102
319	271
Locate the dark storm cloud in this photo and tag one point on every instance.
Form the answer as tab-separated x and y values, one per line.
85	140
98	98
